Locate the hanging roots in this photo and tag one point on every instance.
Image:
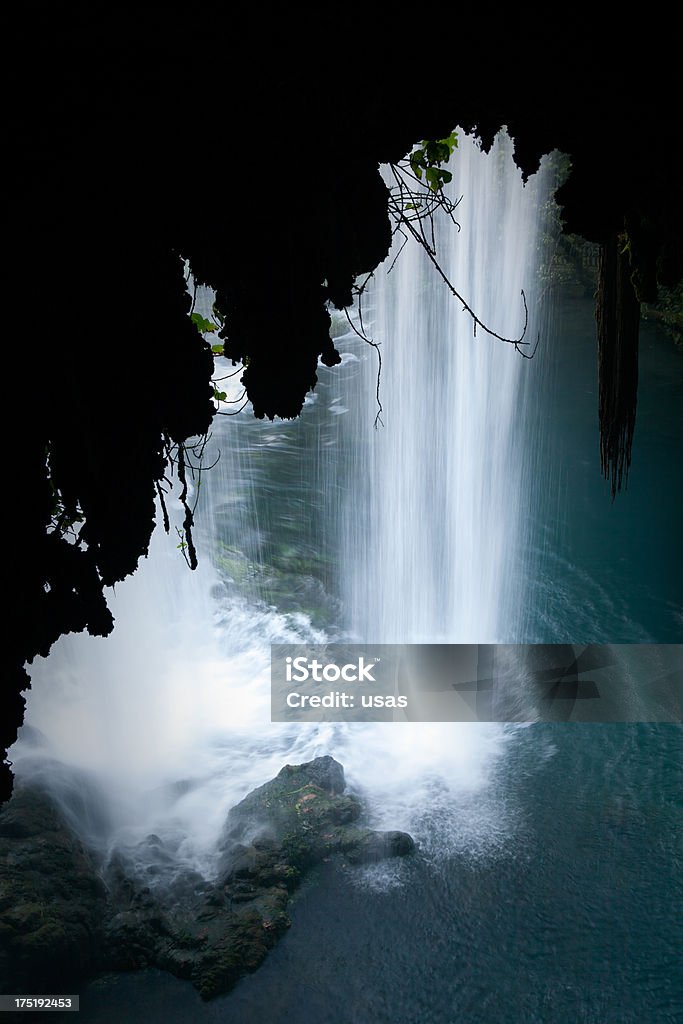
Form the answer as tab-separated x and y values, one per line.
618	316
182	456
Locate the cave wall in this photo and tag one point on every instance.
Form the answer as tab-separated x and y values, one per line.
250	148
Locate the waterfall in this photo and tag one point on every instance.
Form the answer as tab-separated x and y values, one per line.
320	528
440	539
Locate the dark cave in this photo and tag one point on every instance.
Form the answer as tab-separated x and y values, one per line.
119	121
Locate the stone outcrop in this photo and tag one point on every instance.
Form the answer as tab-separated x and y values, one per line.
60	919
53	902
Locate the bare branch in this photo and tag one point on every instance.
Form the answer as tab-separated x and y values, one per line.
420	225
164	510
375	345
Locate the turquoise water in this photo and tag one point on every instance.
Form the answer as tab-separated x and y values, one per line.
606	572
575	921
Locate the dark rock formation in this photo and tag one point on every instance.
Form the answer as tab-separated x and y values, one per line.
59	920
53	902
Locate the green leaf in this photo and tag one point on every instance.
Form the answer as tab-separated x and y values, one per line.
217	350
203	325
436	152
417	162
220	396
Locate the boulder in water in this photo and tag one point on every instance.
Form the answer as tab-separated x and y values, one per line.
60	919
216	932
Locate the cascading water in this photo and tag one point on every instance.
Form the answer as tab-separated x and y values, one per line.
438	541
322	528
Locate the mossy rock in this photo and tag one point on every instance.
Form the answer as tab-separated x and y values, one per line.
53	903
59	919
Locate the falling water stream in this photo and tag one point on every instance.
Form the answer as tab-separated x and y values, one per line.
436	524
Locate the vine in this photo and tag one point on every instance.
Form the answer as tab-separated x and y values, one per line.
185	458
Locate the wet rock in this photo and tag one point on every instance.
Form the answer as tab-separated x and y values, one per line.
53	903
273	809
56	909
376	846
271	838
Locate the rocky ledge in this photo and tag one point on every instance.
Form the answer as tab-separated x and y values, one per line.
61	917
